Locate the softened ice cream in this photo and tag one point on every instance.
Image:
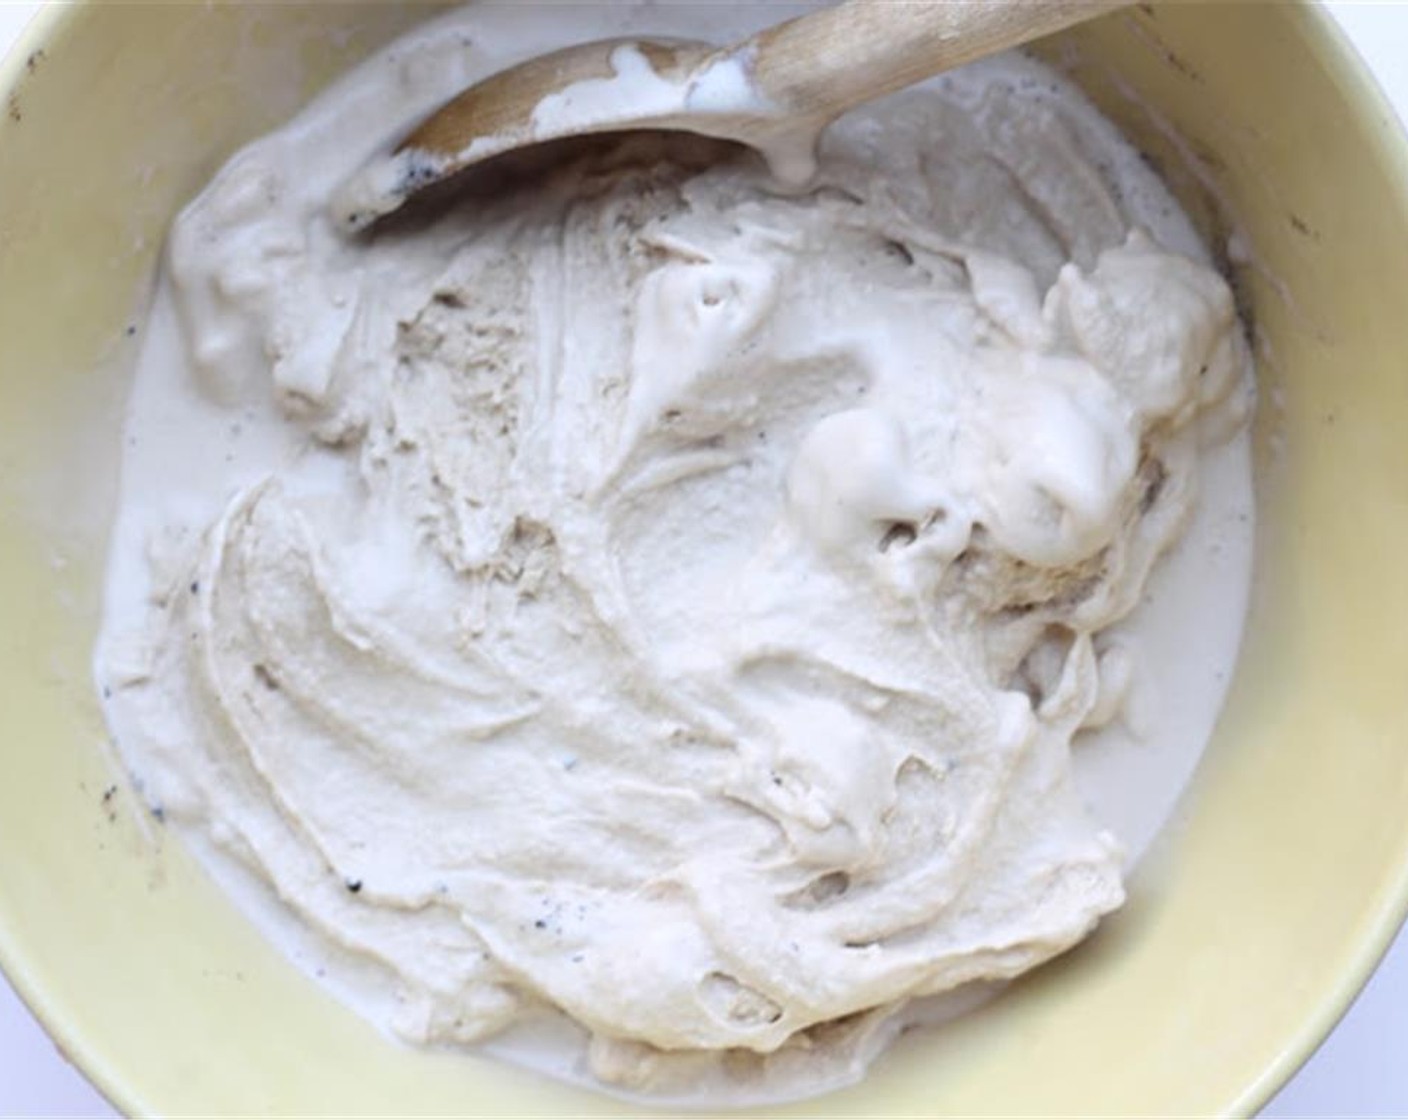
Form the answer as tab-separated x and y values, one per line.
651	608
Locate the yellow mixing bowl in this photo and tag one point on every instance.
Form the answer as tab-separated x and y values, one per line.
1247	933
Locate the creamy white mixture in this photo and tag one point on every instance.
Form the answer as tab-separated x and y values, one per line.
663	598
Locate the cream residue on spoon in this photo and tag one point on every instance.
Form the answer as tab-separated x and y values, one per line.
707	92
651	611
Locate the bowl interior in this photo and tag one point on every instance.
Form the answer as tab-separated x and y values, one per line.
1248	930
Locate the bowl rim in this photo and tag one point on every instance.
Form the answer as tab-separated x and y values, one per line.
45	26
1389	140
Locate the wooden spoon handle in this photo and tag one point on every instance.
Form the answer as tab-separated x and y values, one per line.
820	65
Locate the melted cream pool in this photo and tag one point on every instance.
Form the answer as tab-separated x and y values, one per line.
721	613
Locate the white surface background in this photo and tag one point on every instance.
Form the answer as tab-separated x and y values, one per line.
1361	1070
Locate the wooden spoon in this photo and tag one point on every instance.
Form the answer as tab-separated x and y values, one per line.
774	91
